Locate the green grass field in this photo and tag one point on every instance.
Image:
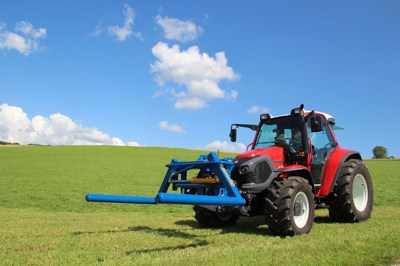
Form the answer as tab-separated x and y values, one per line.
45	219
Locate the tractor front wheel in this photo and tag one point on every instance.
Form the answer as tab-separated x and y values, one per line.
209	218
290	206
352	196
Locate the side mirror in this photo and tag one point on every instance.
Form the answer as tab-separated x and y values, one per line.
316	123
233	134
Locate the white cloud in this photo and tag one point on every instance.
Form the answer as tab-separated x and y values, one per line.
255	109
197	72
175	29
25	39
123	32
165	125
132	143
224	146
97	31
57	129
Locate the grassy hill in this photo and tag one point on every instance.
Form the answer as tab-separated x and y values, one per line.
45	219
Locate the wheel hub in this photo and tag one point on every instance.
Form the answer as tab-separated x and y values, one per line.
298	209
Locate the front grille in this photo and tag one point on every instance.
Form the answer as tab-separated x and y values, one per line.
254	170
262	172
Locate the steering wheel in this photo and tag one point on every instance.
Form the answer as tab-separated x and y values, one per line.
291	149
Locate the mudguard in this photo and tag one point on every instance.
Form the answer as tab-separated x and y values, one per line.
298	170
333	167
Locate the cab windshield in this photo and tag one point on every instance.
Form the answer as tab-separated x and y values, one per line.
280	131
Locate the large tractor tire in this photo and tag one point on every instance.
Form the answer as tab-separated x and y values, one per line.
352	195
210	219
290	206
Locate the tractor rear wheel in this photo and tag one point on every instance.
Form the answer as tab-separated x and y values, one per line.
352	196
290	206
209	218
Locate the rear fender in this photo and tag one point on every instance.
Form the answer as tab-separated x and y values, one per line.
333	167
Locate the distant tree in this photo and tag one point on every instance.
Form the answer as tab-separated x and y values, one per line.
8	143
379	152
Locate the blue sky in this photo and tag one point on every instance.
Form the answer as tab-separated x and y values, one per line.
177	74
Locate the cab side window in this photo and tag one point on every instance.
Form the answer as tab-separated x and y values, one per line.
322	142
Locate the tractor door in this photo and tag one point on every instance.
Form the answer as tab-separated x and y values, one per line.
322	144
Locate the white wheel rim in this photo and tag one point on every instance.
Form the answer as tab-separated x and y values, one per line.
360	192
301	209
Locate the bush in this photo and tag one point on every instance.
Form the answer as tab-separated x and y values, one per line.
379	152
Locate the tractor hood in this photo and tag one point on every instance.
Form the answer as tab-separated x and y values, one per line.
273	152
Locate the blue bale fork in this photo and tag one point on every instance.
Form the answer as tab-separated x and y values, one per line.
211	186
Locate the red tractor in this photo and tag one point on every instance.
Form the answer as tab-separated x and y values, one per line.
295	165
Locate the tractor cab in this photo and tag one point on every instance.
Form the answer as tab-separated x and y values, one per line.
288	132
301	138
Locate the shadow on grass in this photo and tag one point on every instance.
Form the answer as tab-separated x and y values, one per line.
323	220
248	225
245	225
178	247
81	233
195	240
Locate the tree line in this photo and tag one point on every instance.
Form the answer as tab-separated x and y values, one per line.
8	143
